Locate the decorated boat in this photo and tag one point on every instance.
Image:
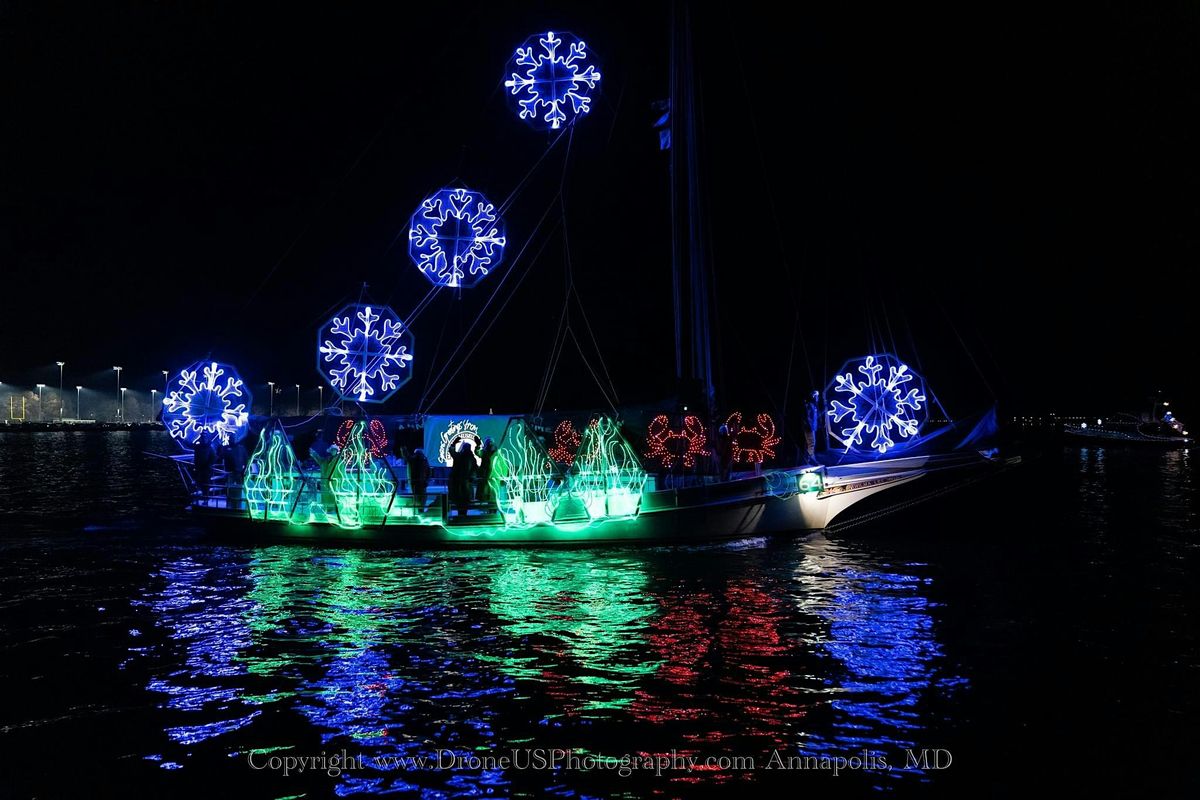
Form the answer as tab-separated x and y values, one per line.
1165	430
348	474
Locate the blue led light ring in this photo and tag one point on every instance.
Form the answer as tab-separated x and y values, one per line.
551	80
365	352
883	398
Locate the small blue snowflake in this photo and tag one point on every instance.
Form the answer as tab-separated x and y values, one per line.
878	404
551	73
199	403
364	352
456	237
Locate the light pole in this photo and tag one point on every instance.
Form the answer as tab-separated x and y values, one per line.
297	399
271	392
153	404
321	389
120	396
166	378
78	389
60	392
122	404
41	408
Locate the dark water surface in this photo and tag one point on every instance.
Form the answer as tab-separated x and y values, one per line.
1042	630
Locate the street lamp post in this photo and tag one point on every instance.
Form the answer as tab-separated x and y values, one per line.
60	388
321	389
78	389
153	404
166	378
122	404
120	396
41	408
297	399
271	392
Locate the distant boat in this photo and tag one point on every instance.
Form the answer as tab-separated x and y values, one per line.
1167	431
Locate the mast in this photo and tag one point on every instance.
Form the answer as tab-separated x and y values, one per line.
693	291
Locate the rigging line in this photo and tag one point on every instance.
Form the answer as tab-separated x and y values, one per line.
572	288
595	377
966	349
787	385
438	349
764	172
562	206
560	340
595	343
616	113
503	207
491	322
555	352
328	198
496	292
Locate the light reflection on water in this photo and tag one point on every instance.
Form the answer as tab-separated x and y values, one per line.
392	655
161	660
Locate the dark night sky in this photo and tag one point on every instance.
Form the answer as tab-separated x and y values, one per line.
961	176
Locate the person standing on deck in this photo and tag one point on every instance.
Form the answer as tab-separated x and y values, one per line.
236	456
418	477
461	469
326	463
204	456
812	425
486	454
724	451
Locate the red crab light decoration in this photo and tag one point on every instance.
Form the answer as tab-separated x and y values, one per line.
566	443
375	436
752	444
668	447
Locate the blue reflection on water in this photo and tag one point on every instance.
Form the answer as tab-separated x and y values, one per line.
398	657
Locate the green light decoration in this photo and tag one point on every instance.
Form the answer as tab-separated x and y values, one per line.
273	477
363	488
607	475
580	621
605	482
523	478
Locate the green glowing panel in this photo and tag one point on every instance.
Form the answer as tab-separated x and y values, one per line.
273	477
523	478
608	476
363	488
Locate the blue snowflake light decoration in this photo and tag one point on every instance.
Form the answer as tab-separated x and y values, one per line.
551	80
207	398
885	399
456	237
364	352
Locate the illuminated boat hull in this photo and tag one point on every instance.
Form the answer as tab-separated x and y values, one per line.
753	506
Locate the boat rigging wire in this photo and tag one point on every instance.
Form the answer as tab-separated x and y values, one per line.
495	293
426	406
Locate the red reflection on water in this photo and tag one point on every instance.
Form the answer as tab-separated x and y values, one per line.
739	630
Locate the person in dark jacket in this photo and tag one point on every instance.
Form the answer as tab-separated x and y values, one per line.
236	455
812	425
204	458
461	470
486	454
724	451
418	477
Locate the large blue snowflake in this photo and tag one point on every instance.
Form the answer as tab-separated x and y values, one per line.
456	237
887	401
364	353
198	403
551	80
